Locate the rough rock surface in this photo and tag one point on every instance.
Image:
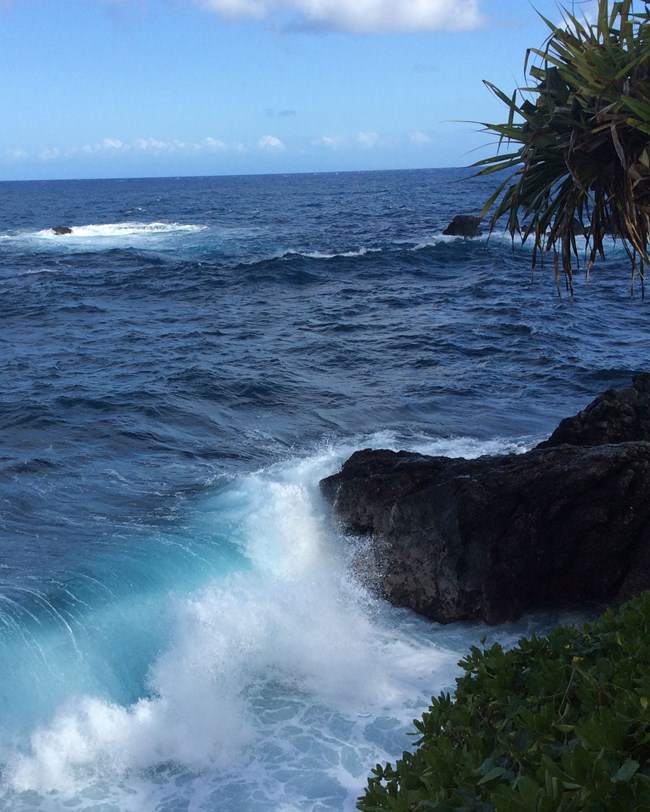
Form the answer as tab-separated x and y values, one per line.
613	417
488	538
62	229
464	225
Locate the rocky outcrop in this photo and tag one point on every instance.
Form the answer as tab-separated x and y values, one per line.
616	416
488	538
62	230
464	225
578	227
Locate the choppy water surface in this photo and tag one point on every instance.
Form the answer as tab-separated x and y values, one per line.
180	628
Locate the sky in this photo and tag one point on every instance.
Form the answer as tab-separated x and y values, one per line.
152	88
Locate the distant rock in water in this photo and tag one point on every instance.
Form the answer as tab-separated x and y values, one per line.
457	539
578	227
464	225
62	230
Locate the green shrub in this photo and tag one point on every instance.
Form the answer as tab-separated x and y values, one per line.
558	723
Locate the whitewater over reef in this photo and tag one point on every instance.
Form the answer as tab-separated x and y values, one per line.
181	626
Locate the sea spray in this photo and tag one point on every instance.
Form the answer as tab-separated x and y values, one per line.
268	676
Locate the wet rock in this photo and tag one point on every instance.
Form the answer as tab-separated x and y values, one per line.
616	416
464	225
487	539
62	230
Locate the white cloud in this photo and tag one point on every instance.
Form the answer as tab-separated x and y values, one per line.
238	8
207	144
420	138
111	143
49	154
360	16
211	144
155	146
368	140
270	143
16	155
329	141
107	145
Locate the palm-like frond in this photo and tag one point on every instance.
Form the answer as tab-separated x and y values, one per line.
583	160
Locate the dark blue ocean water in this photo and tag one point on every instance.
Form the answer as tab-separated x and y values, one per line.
180	629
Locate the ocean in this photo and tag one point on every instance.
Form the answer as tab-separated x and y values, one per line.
181	627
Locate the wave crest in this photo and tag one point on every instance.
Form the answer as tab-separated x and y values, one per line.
125	229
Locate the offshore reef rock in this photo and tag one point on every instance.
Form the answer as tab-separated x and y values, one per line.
613	417
464	225
62	230
457	539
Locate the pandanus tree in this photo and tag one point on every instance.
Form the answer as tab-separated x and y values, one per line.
578	141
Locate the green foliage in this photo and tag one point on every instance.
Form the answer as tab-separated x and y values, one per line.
557	724
583	130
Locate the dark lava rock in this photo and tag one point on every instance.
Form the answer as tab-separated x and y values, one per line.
464	225
62	230
578	227
486	539
613	417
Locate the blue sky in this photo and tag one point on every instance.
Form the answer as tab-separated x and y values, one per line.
137	88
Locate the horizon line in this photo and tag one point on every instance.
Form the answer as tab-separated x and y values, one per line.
175	176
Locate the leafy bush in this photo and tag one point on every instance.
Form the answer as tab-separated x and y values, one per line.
558	723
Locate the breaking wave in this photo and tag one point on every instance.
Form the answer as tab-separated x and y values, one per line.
112	230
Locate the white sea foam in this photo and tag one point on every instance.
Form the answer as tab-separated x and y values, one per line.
498	235
120	230
583	246
361	252
284	681
469	447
